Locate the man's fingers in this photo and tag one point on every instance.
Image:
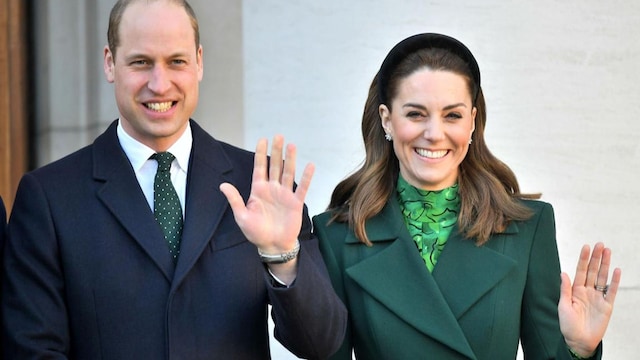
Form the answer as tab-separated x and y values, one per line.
275	164
305	182
235	200
260	161
289	173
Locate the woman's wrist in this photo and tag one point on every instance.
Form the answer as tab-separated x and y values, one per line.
580	356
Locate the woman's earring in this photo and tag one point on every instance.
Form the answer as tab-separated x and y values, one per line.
470	141
388	136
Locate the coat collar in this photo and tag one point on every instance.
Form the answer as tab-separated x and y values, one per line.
121	194
209	166
205	204
464	273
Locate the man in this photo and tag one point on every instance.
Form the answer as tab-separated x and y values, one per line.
93	271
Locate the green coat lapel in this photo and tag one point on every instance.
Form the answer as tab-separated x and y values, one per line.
393	273
465	272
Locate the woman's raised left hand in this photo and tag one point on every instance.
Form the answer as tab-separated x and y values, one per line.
585	306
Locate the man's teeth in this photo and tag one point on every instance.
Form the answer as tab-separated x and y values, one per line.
160	107
431	154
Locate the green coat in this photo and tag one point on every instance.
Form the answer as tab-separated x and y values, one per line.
477	304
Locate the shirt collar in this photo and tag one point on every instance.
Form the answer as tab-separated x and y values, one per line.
138	153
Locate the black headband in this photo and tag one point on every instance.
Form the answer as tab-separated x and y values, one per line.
417	42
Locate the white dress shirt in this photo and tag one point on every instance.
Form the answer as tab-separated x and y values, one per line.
145	168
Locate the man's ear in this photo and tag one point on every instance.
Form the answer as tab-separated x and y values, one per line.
200	62
109	65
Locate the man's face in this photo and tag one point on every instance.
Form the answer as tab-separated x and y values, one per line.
156	72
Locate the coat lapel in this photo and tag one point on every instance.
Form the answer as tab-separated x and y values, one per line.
465	272
432	303
121	194
205	206
402	282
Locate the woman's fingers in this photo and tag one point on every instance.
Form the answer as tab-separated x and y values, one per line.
592	271
603	272
582	267
594	266
613	287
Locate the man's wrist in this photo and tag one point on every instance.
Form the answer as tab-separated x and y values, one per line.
276	281
282	257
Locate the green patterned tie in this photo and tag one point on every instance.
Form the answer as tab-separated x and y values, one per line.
166	204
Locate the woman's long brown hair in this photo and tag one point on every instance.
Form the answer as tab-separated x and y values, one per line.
488	189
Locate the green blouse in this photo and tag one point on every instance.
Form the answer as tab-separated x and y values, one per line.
430	216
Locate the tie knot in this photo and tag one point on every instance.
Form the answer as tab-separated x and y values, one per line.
164	160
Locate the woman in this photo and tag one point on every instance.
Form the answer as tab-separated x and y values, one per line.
431	245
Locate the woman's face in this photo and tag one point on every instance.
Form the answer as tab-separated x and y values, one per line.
431	125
